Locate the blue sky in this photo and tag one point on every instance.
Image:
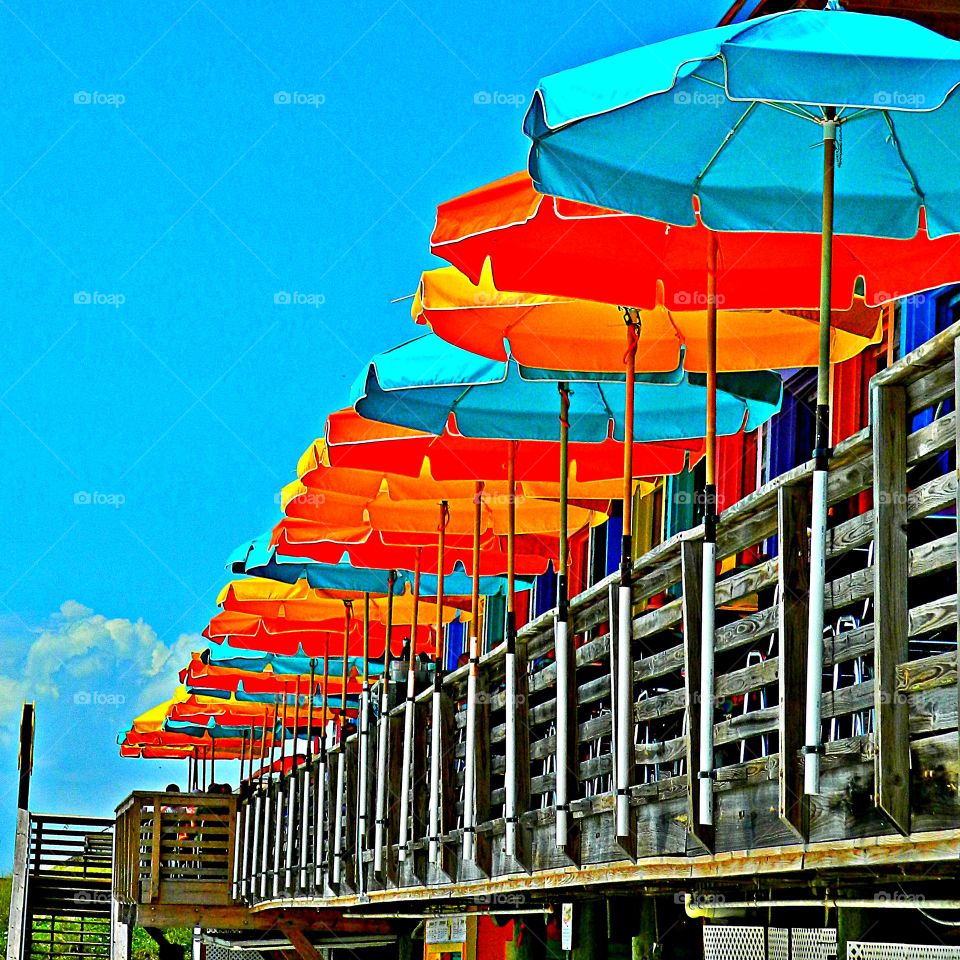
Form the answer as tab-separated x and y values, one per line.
167	170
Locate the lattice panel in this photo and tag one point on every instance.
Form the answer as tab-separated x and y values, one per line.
734	943
813	943
778	943
216	951
856	950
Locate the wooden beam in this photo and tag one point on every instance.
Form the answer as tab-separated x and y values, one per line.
793	543
691	572
888	418
956	410
305	949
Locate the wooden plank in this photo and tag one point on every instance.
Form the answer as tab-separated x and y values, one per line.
482	847
304	948
956	408
18	930
155	854
794	582
691	554
888	416
448	780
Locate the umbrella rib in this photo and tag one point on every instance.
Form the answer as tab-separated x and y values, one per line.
794	109
896	143
730	135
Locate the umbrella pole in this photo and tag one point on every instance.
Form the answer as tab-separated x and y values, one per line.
470	765
381	821
813	747
441	656
305	809
510	659
562	651
624	718
341	756
408	706
708	602
321	831
292	786
364	725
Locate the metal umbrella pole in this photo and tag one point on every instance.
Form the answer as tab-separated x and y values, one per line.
624	718
813	747
510	659
562	647
470	744
305	806
381	810
710	514
341	756
408	710
321	807
364	730
434	825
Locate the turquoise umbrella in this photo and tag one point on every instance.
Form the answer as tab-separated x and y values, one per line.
720	123
419	384
260	559
424	382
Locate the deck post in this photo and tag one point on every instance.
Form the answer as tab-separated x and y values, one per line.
691	567
482	848
793	572
956	407
888	421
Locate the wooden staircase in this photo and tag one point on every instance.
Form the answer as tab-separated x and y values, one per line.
69	873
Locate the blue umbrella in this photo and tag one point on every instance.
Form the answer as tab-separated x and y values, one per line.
722	120
420	384
260	559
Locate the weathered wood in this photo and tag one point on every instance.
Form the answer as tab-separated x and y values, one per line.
793	612
888	415
956	407
483	854
304	948
691	552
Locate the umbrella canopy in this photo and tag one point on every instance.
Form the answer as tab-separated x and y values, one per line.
226	656
353	440
527	240
262	559
424	383
306	539
564	333
733	111
742	105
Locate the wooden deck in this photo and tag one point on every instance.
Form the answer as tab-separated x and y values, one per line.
889	794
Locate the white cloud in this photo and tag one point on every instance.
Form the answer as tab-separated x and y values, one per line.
80	651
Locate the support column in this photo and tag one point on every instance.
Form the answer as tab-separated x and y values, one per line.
691	565
888	421
793	522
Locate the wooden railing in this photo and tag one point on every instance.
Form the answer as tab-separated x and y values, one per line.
889	692
175	848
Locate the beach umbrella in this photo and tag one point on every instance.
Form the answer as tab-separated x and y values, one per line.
535	242
742	104
427	383
352	440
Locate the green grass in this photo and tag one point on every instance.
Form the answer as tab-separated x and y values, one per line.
143	947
